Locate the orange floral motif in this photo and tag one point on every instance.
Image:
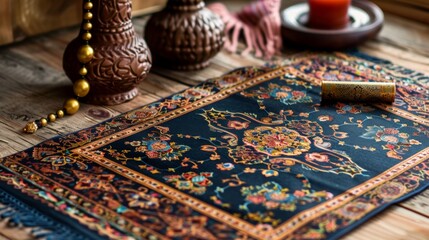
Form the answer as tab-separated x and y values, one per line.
238	125
284	94
318	157
158	144
194	182
246	155
341	135
355	210
141	114
276	141
195	93
391	190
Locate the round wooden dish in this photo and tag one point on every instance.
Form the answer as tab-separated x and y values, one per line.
366	20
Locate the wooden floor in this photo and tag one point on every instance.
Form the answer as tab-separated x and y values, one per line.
33	84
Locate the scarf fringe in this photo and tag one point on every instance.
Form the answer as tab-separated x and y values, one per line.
258	23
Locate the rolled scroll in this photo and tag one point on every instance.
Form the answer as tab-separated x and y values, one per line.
372	92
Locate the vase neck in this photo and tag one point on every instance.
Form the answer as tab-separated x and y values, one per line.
112	17
185	5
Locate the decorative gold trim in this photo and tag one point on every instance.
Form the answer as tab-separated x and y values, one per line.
402	113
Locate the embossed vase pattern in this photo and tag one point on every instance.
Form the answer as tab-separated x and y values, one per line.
121	57
184	35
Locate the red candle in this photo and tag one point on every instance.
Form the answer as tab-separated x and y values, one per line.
328	14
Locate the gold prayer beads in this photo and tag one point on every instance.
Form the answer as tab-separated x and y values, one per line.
81	86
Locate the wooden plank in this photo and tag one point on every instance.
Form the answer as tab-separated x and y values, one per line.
45	49
405	10
6	30
222	63
393	223
43	89
153	88
416	3
39	16
407	39
418	203
9	233
20	19
399	57
141	7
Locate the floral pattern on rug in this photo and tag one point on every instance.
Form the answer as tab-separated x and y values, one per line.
248	155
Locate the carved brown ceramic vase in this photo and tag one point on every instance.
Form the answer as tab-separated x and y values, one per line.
184	35
121	57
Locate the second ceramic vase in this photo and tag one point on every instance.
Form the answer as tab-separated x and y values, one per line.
184	35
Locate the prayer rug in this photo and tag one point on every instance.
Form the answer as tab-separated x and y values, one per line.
249	155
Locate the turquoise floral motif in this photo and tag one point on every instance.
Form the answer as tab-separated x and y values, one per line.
157	144
59	161
395	141
270	173
191	181
388	135
284	94
276	141
271	195
225	166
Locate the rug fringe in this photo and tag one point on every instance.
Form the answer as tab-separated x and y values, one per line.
19	214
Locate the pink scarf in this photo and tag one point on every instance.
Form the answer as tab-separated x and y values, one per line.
259	23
